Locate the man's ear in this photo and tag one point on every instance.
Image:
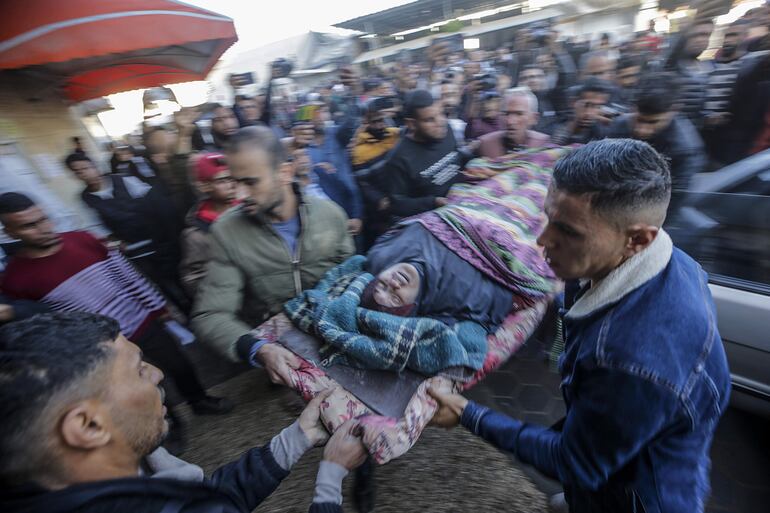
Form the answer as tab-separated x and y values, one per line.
639	237
534	119
286	173
9	231
85	426
203	187
410	124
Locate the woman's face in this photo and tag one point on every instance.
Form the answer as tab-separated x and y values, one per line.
396	286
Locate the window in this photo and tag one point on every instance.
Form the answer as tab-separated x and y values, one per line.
728	232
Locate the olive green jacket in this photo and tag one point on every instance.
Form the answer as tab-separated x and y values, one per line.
252	273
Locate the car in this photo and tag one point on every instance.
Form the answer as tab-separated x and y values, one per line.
725	226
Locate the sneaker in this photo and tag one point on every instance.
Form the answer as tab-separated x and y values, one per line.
558	504
211	405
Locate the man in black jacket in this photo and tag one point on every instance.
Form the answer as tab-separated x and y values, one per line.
224	124
142	217
83	419
585	123
426	163
658	122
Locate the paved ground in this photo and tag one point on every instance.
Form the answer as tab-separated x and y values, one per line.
445	470
526	388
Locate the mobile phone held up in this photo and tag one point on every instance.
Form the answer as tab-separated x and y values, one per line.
305	114
241	79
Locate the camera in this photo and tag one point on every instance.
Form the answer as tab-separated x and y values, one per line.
541	34
609	112
488	95
241	79
283	67
453	43
487	81
381	103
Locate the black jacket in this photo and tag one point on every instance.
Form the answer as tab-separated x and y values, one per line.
23	308
680	143
239	487
418	173
133	219
750	102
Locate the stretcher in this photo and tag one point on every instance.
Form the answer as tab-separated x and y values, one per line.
392	408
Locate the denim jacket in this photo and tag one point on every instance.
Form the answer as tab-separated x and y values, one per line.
644	379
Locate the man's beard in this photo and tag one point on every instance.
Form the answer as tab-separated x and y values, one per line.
377	133
139	437
428	139
509	143
257	212
220	137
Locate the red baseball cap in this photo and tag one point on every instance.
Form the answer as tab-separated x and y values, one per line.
209	165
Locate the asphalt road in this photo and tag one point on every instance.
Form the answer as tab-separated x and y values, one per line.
526	388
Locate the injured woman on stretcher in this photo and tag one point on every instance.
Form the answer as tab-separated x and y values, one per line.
442	299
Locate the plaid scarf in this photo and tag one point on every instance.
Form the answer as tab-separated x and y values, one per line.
369	339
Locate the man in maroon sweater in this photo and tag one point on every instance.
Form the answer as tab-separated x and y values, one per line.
75	272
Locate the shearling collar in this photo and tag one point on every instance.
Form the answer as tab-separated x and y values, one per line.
163	464
629	276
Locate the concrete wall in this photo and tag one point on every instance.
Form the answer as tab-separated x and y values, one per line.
35	136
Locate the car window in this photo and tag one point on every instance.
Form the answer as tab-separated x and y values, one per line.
728	232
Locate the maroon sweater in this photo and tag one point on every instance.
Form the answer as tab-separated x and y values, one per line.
83	275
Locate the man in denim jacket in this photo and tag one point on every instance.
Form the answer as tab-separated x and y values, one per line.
645	378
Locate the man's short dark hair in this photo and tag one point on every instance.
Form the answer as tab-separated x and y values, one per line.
370	84
12	202
657	93
415	101
530	67
259	137
378	104
75	157
627	179
42	359
593	85
604	54
629	61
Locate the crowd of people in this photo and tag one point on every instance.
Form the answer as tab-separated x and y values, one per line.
215	225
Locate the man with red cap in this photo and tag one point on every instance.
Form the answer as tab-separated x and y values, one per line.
217	188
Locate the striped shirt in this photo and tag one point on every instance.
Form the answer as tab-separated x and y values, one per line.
719	87
83	275
692	80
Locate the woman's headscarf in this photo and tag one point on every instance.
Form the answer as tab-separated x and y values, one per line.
450	288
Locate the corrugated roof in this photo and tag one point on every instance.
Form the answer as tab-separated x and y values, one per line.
422	42
418	14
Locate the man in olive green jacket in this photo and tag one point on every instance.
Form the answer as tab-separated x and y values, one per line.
275	244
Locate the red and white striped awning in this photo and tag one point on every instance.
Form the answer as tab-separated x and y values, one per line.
98	47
